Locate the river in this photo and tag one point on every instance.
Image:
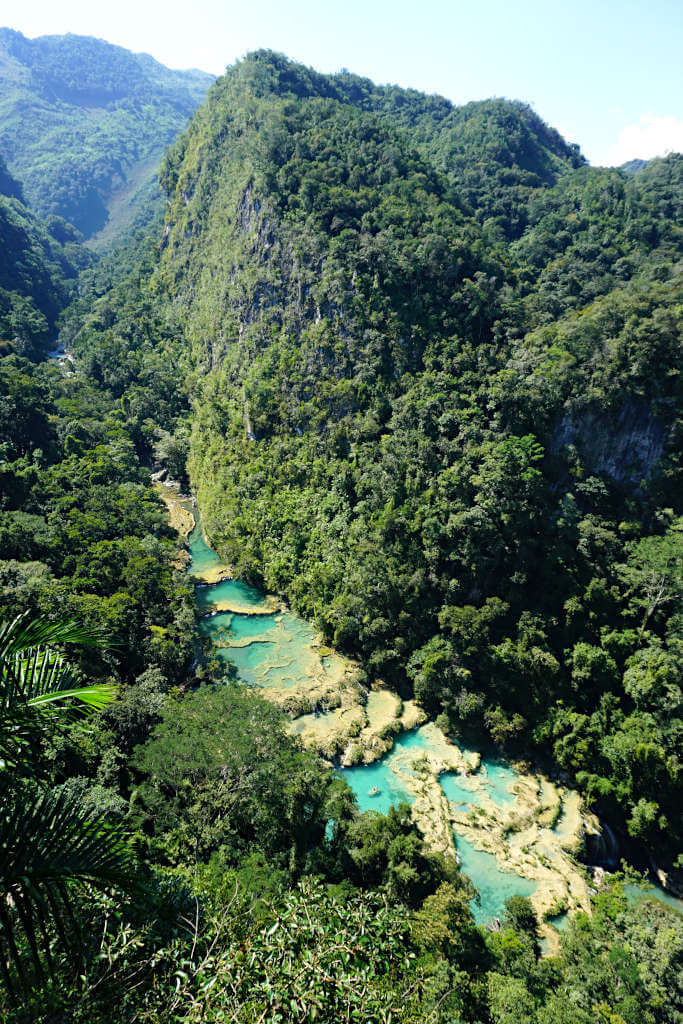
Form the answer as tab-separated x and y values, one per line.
512	831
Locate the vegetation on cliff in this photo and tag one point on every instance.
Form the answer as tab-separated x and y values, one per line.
420	365
448	449
39	263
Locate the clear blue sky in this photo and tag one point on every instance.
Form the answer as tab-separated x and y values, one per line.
607	73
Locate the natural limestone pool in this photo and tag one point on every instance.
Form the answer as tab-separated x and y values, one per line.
268	646
273	649
513	832
483	810
382	784
496	778
204	559
494	886
379	785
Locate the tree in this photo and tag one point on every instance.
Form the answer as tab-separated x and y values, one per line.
222	774
172	450
49	845
654	571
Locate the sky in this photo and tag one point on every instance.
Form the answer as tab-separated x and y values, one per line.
608	74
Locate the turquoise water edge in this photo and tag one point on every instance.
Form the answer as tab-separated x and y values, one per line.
377	788
273	648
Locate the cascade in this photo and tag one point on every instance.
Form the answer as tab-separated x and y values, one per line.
602	847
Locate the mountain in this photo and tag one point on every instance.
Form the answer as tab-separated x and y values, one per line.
421	365
83	125
411	424
39	263
634	166
499	153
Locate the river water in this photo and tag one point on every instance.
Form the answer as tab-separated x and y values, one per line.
377	787
277	651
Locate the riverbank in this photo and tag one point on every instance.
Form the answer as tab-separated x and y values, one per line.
513	831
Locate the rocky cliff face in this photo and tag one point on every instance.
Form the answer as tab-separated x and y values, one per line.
626	445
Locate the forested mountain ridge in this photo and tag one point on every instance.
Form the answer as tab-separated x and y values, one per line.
80	528
498	152
83	125
444	448
39	264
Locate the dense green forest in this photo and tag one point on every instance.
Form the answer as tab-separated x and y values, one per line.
457	455
419	364
83	125
39	263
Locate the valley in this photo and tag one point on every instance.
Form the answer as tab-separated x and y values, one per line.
511	832
418	366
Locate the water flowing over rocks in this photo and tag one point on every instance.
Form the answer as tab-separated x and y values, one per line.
511	830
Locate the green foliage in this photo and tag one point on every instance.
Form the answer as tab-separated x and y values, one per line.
308	954
654	571
323	958
49	843
83	536
520	916
441	435
76	500
621	965
221	774
420	364
83	125
388	850
37	684
38	265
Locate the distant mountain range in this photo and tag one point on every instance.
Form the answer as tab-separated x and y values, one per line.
83	125
634	166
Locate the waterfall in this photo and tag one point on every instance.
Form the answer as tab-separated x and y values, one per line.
602	848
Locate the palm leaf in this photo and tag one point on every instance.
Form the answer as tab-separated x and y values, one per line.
23	632
19	739
90	698
35	677
49	845
41	677
49	836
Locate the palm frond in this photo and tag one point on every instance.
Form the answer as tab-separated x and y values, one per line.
49	845
47	835
37	670
35	677
38	691
90	698
24	632
40	676
20	736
